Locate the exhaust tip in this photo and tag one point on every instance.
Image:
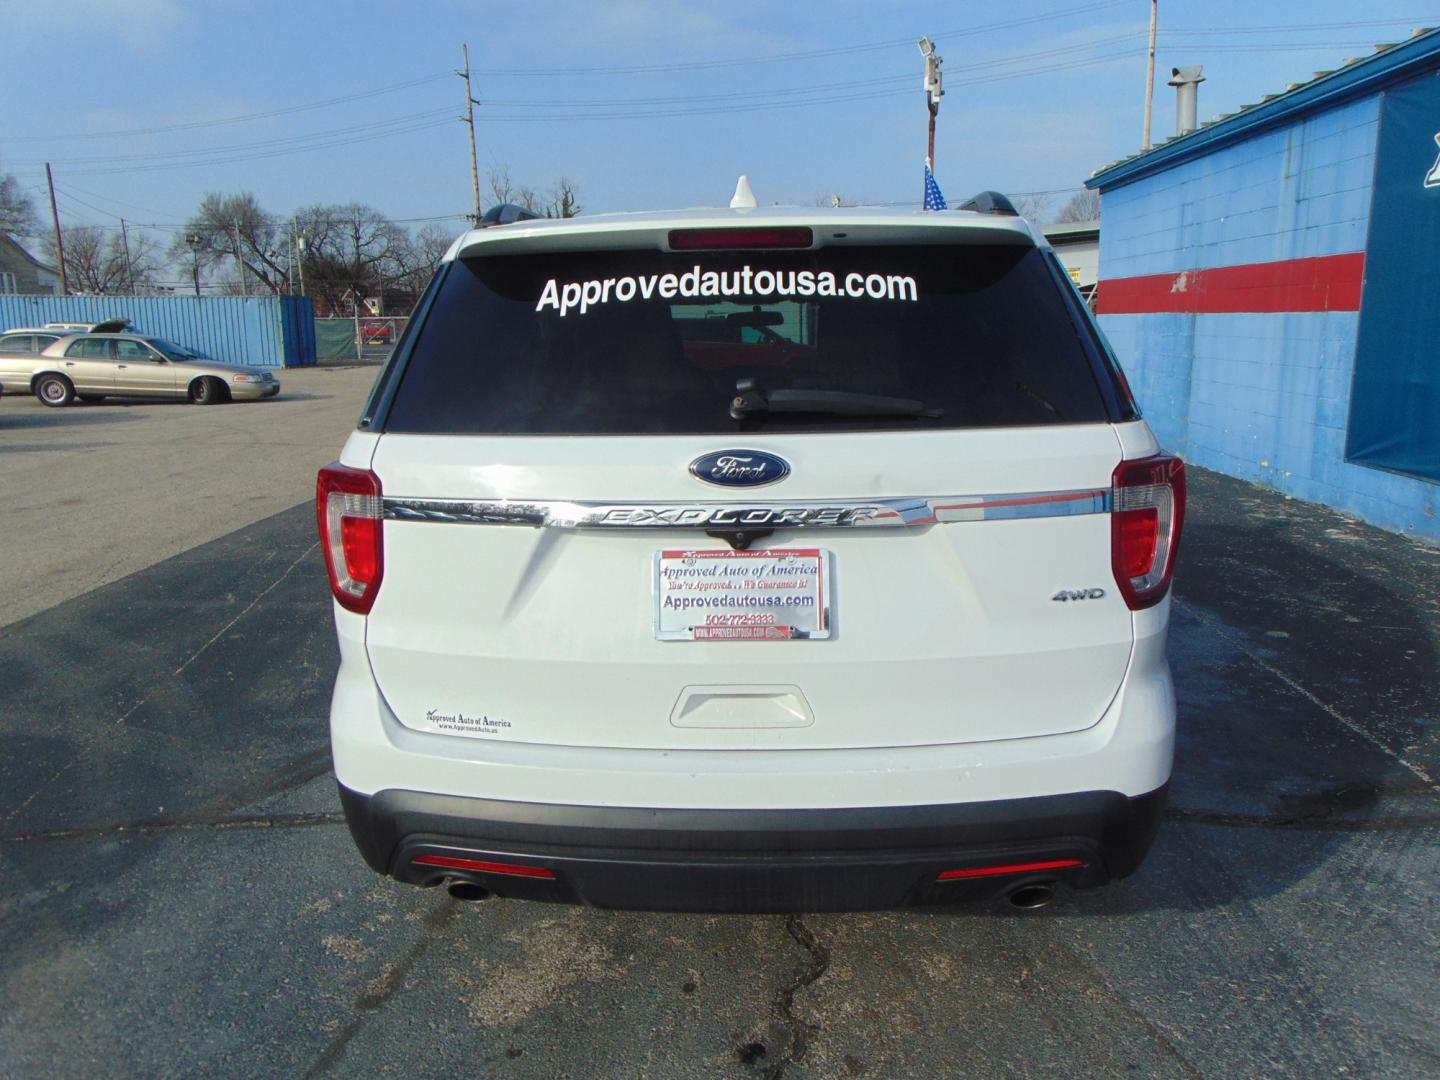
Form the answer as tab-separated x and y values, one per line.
1031	897
467	890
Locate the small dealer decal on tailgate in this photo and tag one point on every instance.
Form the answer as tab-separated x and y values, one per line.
462	724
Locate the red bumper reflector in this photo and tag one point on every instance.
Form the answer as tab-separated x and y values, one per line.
1011	868
451	862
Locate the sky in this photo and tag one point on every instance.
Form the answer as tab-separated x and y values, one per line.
144	106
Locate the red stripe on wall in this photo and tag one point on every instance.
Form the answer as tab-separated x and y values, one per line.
1327	283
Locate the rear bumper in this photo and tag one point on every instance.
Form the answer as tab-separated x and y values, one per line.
850	859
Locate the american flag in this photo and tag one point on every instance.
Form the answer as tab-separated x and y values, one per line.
933	199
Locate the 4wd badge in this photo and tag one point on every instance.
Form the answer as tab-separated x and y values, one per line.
1066	595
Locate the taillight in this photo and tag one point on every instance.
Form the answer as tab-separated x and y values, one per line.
1147	514
349	514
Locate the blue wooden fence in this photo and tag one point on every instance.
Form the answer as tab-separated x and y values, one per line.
269	331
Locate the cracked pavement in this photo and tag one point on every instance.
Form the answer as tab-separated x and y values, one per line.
179	895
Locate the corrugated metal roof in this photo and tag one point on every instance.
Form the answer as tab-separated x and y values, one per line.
1390	62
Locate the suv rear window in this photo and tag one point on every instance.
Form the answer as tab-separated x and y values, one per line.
646	342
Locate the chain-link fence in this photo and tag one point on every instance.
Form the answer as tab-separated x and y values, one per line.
367	338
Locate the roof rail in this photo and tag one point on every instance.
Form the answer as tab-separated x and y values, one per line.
990	202
505	214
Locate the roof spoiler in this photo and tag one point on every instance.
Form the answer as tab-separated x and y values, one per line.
505	214
990	202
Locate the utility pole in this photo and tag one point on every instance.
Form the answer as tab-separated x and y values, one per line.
469	118
933	92
129	267
240	263
59	240
195	241
355	289
1150	76
300	243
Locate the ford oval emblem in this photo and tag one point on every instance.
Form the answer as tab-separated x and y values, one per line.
740	468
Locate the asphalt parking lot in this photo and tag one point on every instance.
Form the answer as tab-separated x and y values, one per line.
96	492
179	895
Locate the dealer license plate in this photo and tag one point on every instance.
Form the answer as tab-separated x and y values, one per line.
769	594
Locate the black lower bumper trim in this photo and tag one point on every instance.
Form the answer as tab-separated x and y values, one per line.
848	859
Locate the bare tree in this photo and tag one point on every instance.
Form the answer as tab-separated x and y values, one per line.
562	201
419	258
351	251
1083	206
1031	207
17	211
96	261
234	229
502	188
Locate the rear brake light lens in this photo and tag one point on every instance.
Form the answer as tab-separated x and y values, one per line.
349	514
1147	515
742	239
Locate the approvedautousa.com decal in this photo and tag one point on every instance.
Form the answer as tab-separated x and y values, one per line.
699	283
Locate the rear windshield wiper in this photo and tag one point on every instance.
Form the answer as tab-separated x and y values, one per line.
752	399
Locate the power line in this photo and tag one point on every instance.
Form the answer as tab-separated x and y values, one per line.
812	54
233	153
812	89
200	162
1300	28
1231	47
592	112
980	72
829	99
241	119
812	94
119	202
291	140
67	197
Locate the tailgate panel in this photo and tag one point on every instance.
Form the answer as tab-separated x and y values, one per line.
942	632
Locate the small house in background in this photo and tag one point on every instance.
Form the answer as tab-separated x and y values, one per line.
1271	284
1077	245
21	272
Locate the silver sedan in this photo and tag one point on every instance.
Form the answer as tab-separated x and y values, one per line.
91	367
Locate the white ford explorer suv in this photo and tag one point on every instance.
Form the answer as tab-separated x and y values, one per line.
753	560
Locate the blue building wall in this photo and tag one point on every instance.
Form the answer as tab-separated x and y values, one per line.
265	331
1264	397
1291	193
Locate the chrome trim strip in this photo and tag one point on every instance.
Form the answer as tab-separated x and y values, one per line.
800	514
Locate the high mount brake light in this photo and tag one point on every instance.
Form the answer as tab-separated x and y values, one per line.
349	516
1147	515
788	236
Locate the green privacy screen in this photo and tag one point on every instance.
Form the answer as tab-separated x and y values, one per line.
1395	400
334	338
